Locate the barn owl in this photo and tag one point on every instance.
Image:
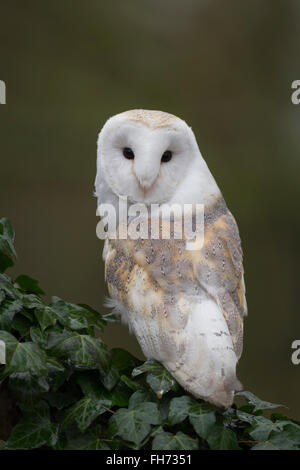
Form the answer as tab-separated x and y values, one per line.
185	307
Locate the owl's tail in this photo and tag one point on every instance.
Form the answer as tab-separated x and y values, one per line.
207	365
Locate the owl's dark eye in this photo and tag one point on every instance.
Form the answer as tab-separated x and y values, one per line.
167	155
128	153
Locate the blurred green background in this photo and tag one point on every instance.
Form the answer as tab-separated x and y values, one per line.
226	68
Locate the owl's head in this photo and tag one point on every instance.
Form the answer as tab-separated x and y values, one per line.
150	156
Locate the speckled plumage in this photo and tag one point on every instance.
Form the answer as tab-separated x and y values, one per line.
158	282
186	308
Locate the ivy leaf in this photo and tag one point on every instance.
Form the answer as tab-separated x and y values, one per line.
257	403
56	373
288	439
28	284
178	441
38	337
122	362
246	417
140	397
159	379
82	350
27	357
262	428
202	417
120	394
27	387
110	379
69	315
95	317
7	250
222	438
134	424
84	412
75	317
8	309
45	316
21	323
132	384
90	384
34	430
6	286
179	409
111	318
91	440
62	399
31	301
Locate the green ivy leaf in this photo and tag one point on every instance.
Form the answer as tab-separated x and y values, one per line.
202	417
28	388
178	441
28	284
31	301
56	373
134	424
38	336
91	440
262	428
84	412
179	409
96	319
257	403
222	438
246	417
159	379
122	362
34	430
69	315
21	324
132	384
288	439
8	310
111	318
27	357
10	290
140	397
7	249
120	394
82	350
90	384
75	317
45	316
62	399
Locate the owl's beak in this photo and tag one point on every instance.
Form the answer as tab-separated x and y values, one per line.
145	184
145	179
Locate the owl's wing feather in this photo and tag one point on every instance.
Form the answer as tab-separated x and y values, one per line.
219	269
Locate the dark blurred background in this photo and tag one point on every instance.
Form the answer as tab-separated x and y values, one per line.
224	67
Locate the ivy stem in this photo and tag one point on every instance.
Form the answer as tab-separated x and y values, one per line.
107	409
248	442
25	334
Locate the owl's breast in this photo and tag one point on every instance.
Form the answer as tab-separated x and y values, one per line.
152	278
